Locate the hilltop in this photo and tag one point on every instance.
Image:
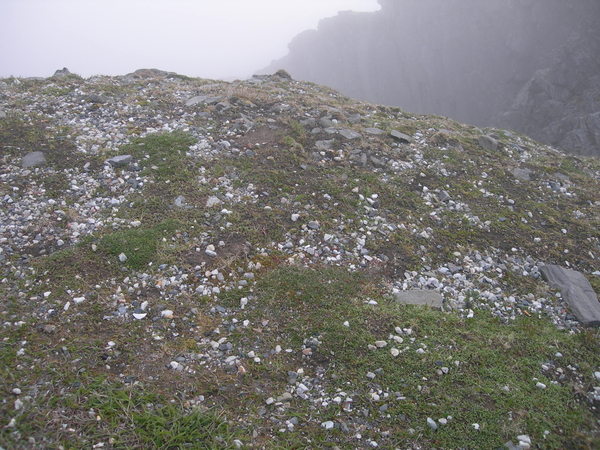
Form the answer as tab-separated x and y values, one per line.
191	263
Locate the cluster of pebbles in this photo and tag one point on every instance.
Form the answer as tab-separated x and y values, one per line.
33	223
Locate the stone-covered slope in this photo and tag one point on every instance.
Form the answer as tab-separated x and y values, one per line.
242	249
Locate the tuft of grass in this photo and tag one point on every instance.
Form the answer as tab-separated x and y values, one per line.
140	246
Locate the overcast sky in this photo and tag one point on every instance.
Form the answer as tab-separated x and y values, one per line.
201	38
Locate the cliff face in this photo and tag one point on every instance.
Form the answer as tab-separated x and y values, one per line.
468	60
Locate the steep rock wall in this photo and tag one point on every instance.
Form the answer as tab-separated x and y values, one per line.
464	59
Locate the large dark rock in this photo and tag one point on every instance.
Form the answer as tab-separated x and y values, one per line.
468	60
576	291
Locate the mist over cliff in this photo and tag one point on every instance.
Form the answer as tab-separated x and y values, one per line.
528	65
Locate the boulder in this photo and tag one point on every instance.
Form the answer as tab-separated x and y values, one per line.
576	291
62	72
33	159
488	142
522	174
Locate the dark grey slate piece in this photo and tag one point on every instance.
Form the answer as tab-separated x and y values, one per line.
420	297
401	136
349	134
488	142
119	161
33	159
374	131
576	291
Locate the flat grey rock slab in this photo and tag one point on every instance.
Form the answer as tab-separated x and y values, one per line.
350	134
2	114
488	142
33	159
523	174
401	136
119	161
203	99
374	131
420	297
576	291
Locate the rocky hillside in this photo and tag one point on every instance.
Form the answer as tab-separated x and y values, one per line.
189	263
525	65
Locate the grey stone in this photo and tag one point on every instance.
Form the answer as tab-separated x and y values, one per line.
203	99
377	162
180	201
443	196
401	136
62	72
420	297
326	123
576	291
324	145
285	397
488	142
195	100
522	174
33	159
119	161
374	131
355	118
350	134
2	114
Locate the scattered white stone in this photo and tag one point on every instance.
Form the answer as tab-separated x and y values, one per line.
167	313
540	385
139	316
122	257
432	423
18	404
380	344
328	425
476	426
346	323
78	300
395	352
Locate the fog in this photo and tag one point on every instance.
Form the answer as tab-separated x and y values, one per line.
223	39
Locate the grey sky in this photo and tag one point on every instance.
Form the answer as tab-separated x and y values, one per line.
204	38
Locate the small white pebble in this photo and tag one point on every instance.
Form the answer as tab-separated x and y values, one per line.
476	426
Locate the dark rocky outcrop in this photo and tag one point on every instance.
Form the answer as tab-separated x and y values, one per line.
560	104
531	65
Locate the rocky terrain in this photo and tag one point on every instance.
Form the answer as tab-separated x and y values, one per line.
189	263
527	65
